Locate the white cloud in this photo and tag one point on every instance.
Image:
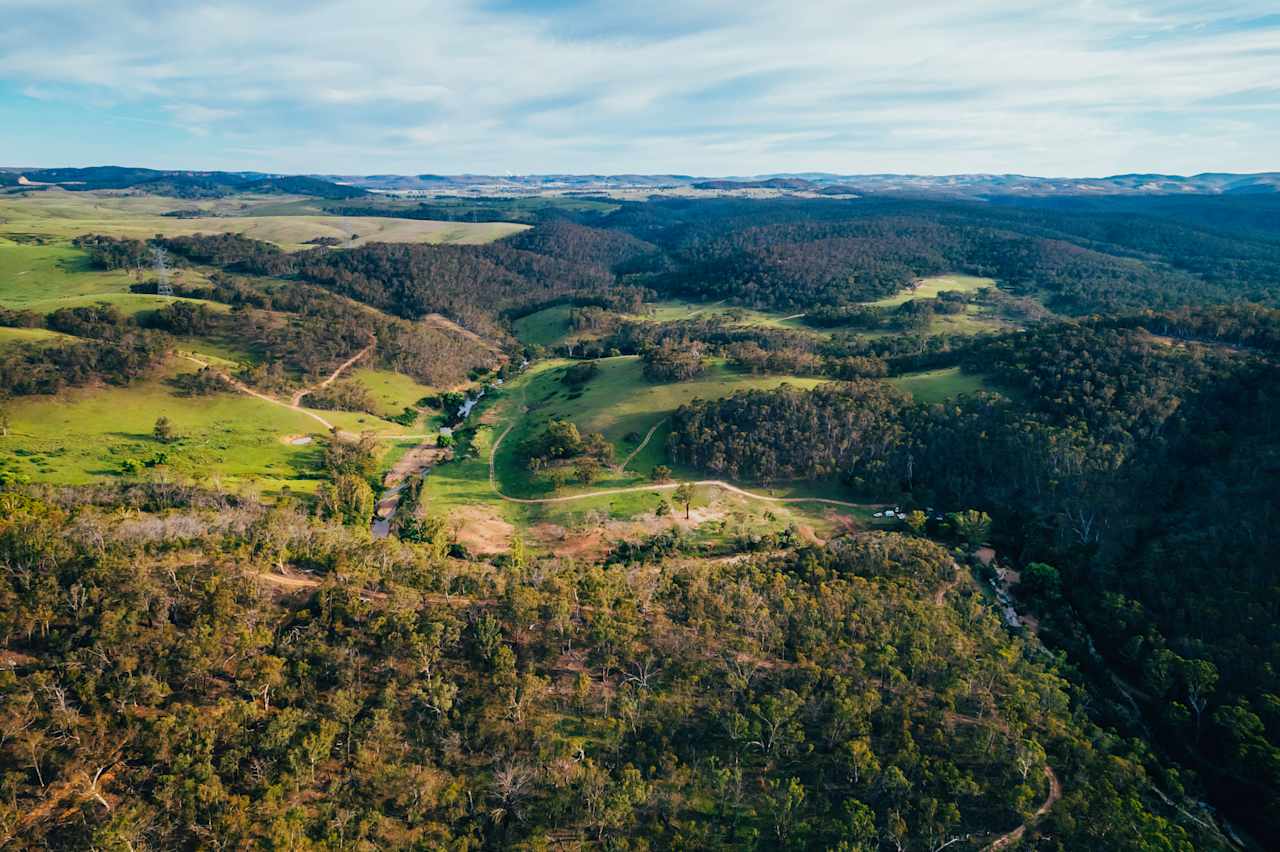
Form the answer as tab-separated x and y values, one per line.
699	86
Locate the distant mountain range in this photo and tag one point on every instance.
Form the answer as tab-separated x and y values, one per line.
195	184
1209	183
181	184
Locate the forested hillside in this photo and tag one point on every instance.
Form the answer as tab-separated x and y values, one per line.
166	686
1141	468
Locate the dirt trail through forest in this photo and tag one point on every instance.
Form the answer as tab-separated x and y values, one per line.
664	486
296	400
1055	793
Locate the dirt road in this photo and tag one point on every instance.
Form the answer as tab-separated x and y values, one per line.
1055	793
296	400
663	486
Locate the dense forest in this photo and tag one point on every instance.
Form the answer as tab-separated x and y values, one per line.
103	346
1142	468
161	690
792	254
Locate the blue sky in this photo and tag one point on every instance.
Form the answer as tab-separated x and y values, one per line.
705	87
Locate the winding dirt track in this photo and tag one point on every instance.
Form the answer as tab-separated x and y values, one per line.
1055	793
243	388
295	401
665	486
643	444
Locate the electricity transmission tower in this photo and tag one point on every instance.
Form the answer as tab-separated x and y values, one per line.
163	287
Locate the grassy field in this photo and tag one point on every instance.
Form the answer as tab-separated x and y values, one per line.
550	326
15	337
84	434
394	391
939	385
35	273
460	490
929	288
546	327
670	310
44	278
61	214
619	403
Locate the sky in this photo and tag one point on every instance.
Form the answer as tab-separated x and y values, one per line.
703	87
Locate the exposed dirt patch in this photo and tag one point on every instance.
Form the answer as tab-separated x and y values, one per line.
590	544
481	529
415	460
8	659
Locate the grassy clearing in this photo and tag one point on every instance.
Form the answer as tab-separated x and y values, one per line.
85	434
619	403
393	391
671	310
11	338
929	288
44	278
550	326
939	385
58	213
31	273
460	489
546	327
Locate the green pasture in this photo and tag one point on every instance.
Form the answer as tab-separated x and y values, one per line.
11	338
84	434
58	213
393	391
619	403
929	288
939	385
546	327
673	310
45	277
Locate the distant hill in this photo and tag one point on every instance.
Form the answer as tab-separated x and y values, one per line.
199	184
963	185
182	184
794	184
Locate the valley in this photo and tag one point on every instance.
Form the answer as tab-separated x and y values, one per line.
751	463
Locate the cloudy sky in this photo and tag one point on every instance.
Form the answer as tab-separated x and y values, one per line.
709	87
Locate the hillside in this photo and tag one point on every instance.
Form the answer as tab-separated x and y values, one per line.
771	522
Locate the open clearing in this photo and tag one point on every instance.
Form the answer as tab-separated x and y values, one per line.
939	385
546	327
550	326
84	434
46	277
929	288
623	406
16	337
58	213
619	402
393	391
36	273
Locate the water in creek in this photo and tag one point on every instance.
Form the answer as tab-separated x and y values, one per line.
390	500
